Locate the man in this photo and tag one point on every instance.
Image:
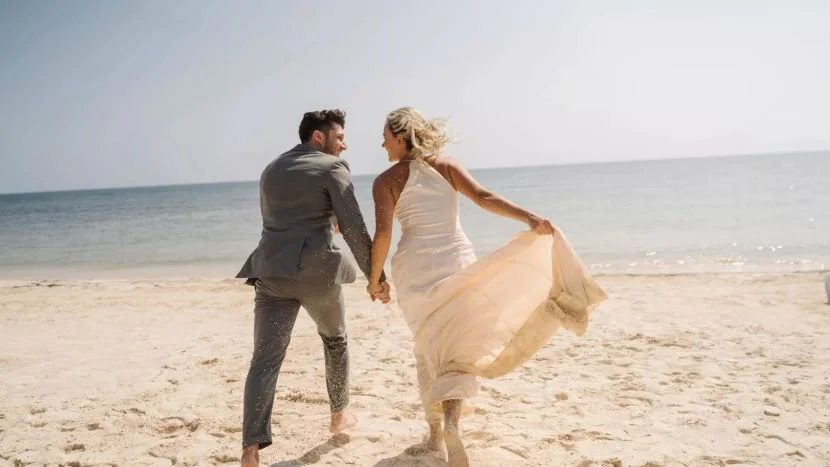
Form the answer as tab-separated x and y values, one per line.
302	194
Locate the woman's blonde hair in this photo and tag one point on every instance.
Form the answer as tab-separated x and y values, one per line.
423	137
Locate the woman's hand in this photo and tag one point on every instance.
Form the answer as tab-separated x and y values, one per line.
379	291
540	225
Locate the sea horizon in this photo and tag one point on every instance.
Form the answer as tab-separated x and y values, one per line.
714	215
472	169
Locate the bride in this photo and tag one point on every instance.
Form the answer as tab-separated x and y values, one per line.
469	317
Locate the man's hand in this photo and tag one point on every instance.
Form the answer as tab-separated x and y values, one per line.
379	291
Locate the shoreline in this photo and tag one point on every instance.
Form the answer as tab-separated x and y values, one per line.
4	281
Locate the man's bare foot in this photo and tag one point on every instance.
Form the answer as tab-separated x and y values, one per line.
456	454
342	420
250	456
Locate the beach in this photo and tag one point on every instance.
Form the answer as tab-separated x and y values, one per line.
675	370
156	154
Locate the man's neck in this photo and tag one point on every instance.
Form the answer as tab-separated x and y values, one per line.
316	146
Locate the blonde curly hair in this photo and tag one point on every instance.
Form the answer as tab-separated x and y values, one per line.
423	137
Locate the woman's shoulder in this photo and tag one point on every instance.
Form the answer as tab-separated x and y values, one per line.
393	171
447	166
444	161
393	175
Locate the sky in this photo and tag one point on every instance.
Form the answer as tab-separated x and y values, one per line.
99	93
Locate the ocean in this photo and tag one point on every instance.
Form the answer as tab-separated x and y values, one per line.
768	213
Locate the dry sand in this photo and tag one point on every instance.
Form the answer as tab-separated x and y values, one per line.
682	370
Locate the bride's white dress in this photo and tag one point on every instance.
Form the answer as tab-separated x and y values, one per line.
478	318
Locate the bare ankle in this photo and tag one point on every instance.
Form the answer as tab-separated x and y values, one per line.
342	420
250	455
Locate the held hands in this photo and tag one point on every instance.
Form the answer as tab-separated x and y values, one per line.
540	225
379	291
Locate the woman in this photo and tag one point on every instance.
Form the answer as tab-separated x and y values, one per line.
465	314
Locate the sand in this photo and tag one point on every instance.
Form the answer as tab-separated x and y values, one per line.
674	370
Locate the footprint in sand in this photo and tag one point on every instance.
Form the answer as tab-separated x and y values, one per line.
579	435
173	425
608	463
170	425
302	398
495	393
158	453
74	448
713	460
598	436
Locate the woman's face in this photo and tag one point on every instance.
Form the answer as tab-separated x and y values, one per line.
394	144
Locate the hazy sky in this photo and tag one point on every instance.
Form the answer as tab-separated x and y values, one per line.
122	93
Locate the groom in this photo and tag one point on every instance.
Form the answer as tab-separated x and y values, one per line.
303	193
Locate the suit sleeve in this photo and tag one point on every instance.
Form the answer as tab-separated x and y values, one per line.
349	217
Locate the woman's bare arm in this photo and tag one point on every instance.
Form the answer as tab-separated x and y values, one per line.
467	185
384	215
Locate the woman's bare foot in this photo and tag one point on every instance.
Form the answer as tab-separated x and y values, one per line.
342	420
250	456
456	454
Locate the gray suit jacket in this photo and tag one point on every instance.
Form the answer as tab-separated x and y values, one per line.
301	193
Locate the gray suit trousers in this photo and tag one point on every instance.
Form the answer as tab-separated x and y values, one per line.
277	304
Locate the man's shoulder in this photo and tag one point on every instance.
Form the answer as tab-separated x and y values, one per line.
308	157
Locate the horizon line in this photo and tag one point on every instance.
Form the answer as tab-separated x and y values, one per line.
718	156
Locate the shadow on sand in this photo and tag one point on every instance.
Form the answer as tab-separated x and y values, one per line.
413	456
313	455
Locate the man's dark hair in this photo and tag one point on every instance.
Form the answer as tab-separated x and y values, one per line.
321	120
